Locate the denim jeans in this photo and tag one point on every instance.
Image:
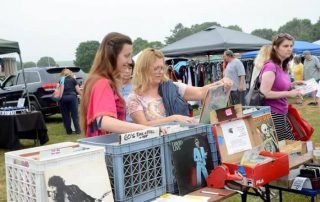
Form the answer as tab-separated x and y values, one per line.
69	108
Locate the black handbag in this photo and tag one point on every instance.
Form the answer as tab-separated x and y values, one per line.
254	96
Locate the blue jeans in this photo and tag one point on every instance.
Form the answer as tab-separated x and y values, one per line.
69	106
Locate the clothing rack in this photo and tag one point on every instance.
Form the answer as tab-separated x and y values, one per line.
200	72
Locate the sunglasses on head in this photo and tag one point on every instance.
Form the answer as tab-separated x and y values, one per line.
283	35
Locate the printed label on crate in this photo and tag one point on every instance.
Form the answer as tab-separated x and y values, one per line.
139	135
21	163
54	152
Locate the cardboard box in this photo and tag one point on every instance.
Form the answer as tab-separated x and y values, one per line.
254	176
292	147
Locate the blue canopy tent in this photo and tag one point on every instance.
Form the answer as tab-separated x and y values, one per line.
298	48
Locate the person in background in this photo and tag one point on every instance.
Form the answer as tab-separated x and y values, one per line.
69	102
276	84
102	106
311	70
126	86
235	71
147	106
298	74
263	55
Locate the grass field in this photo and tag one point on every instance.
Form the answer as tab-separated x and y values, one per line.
57	134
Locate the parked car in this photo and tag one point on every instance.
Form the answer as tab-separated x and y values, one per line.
41	82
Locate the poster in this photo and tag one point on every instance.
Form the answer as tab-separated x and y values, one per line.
236	136
264	125
85	181
192	162
216	98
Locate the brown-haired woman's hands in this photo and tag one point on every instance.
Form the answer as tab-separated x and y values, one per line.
294	93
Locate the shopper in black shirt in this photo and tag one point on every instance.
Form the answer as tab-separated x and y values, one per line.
69	102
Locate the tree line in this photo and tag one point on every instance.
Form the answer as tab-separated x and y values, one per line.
300	29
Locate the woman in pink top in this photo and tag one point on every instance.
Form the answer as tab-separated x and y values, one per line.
102	106
276	84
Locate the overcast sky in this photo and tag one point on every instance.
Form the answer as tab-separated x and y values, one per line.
56	27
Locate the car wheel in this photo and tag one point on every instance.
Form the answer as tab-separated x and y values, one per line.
34	106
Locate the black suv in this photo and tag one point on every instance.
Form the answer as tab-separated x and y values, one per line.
41	82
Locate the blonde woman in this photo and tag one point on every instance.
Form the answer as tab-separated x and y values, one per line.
147	106
263	55
69	102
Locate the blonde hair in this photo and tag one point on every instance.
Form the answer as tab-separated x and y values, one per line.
66	72
143	69
263	55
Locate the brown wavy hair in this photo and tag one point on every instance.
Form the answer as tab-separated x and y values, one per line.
104	66
277	40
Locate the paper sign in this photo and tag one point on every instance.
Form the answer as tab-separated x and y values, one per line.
300	182
309	146
21	102
139	135
236	136
307	86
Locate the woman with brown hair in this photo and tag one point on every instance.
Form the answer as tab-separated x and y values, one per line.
102	106
276	85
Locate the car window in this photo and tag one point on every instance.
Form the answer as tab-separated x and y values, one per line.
31	77
10	81
55	75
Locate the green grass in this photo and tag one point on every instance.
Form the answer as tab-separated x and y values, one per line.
57	134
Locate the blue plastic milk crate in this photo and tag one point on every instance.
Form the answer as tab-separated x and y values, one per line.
136	170
172	186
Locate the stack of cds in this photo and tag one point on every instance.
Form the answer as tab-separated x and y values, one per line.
12	110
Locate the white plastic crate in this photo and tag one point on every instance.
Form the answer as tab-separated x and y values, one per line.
25	176
136	170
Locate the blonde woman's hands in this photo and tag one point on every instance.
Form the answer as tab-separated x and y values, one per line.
227	83
183	119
